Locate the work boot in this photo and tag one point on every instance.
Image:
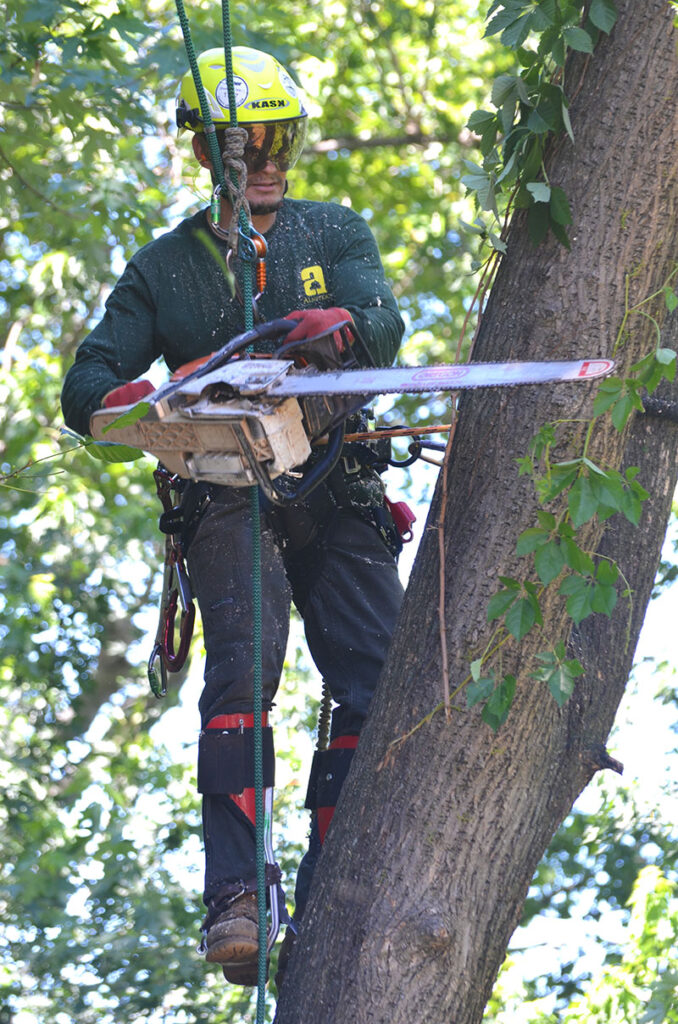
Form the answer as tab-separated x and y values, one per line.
232	941
286	947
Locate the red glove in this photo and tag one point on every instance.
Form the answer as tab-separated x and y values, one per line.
317	321
127	394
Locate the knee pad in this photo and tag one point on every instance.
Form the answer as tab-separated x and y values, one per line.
226	760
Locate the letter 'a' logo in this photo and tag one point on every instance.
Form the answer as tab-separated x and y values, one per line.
314	281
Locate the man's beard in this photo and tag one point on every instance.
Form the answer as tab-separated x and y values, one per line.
259	209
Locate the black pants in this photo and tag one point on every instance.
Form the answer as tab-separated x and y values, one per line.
345	584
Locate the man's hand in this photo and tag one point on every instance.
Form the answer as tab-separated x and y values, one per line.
127	394
317	321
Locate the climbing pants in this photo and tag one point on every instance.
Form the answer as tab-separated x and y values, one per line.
344	582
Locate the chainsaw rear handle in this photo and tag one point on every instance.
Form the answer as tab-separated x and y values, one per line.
313	476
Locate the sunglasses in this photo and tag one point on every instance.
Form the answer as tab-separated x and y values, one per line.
279	142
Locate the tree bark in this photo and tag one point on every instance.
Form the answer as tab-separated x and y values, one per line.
436	838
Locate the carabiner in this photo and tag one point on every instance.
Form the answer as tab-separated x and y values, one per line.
158	685
174	660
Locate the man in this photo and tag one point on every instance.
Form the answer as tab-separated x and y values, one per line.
328	554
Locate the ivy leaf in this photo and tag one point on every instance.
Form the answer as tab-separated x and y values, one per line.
520	618
481	121
604	599
609	392
530	539
504	88
479	690
500	603
128	418
549	561
559	675
671	299
547	520
603	14
498	706
540	192
607	572
622	410
579	597
577	559
578	39
582	502
559	206
109	451
537	222
565	113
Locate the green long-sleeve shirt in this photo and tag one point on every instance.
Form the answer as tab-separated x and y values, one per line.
172	299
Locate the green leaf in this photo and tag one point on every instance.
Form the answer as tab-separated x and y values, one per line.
561	682
549	561
671	299
547	520
501	21
578	39
109	451
579	597
476	668
530	539
481	121
499	603
520	618
537	222
498	706
515	34
539	125
604	599
607	572
565	114
559	206
665	356
479	690
603	14
540	192
137	412
622	410
608	393
581	501
504	88
577	559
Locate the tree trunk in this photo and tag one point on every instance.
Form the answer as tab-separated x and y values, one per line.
436	839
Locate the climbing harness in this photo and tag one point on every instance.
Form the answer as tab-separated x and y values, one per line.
176	588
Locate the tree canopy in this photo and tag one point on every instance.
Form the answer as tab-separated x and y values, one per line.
99	819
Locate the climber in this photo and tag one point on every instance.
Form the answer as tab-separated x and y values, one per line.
333	554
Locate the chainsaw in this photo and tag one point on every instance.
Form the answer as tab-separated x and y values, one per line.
240	419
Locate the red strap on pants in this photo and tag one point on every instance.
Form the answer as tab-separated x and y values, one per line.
325	814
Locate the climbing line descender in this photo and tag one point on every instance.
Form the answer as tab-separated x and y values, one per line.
176	588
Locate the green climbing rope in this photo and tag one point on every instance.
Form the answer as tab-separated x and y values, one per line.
218	165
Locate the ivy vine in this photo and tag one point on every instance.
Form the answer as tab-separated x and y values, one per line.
578	491
531	106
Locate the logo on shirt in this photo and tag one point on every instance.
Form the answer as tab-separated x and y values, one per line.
314	281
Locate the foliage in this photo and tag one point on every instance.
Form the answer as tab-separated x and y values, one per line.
531	107
572	493
99	821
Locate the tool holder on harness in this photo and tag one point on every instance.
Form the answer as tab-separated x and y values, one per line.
176	588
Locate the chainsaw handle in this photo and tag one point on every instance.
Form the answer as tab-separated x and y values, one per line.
317	473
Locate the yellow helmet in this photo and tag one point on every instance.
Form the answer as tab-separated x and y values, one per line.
263	90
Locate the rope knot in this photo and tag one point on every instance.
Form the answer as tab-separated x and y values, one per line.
235	177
